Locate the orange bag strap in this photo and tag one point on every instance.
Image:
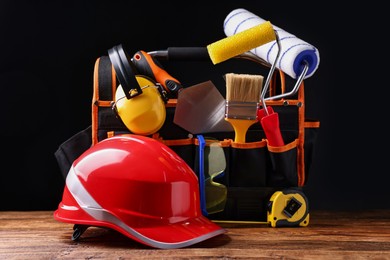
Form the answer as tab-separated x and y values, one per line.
104	87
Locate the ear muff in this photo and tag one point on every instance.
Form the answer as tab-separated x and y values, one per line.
144	114
138	101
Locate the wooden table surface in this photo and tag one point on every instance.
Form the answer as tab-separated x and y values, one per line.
329	235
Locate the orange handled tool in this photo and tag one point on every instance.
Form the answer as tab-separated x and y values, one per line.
148	66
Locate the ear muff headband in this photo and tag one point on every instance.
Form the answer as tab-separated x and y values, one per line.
125	71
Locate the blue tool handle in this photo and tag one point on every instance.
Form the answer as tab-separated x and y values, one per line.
202	189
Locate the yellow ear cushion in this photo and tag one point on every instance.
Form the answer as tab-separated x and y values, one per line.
144	114
241	42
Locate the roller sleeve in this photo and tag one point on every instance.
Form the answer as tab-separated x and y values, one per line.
241	42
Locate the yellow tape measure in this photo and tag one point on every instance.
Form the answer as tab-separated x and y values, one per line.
288	208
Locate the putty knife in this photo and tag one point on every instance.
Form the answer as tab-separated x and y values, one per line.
201	109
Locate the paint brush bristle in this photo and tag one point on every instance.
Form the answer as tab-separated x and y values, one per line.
243	87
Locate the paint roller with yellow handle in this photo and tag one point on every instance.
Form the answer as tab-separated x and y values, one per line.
240	43
242	90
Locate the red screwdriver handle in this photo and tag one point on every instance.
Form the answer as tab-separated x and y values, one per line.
270	124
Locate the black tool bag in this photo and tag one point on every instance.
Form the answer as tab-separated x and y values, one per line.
254	170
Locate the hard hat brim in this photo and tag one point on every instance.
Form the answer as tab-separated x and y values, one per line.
175	235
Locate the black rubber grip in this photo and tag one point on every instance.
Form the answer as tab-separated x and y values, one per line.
188	54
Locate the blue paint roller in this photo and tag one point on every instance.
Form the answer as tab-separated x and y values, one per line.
295	53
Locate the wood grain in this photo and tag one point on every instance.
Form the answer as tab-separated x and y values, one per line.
330	235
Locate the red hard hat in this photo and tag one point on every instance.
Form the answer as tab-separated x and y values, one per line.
141	188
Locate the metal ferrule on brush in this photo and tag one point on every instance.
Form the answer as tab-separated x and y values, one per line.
241	110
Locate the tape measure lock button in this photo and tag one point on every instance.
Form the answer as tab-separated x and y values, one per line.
292	207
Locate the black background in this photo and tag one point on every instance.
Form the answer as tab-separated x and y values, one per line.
48	51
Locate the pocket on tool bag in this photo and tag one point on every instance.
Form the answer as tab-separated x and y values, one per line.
247	164
246	204
282	168
311	134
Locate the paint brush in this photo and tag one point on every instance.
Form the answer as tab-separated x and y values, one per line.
242	102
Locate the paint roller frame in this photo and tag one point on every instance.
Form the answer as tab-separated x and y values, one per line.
269	120
297	84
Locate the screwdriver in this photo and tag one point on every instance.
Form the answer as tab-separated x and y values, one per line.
149	66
